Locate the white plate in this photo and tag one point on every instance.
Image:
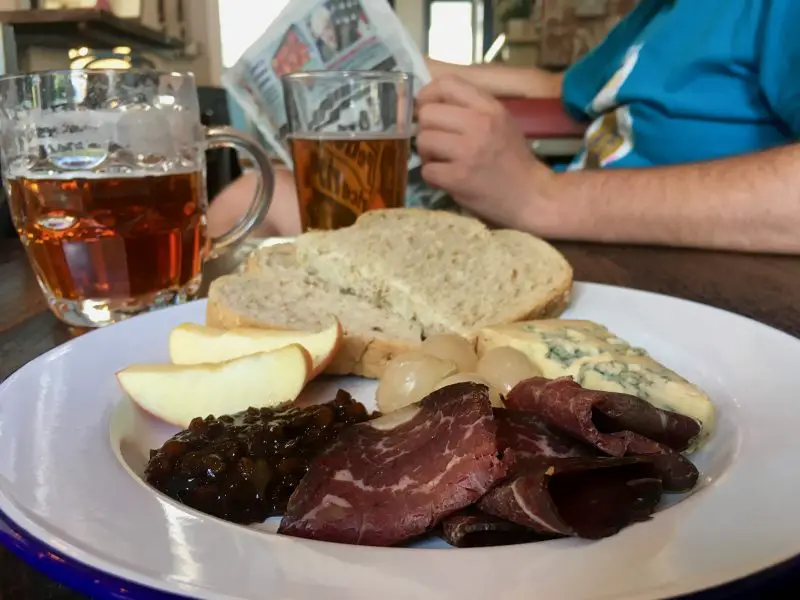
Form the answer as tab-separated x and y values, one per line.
62	484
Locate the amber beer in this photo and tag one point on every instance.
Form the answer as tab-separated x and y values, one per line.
113	237
339	176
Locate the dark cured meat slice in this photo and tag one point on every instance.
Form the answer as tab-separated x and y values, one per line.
678	473
625	412
585	497
471	528
617	424
523	438
525	433
392	479
604	419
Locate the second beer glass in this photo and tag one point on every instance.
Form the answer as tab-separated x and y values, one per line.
350	137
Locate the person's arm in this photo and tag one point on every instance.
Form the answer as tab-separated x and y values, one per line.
749	203
230	205
501	80
471	148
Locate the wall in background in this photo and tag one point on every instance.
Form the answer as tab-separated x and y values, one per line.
204	58
203	26
559	32
555	35
412	14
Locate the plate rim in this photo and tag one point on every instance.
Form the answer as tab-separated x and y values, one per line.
89	580
19	541
72	573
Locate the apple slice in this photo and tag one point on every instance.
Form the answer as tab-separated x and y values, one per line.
191	344
178	393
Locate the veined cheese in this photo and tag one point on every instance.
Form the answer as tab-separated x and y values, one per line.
599	360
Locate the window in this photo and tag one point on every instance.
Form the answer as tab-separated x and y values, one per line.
450	35
242	22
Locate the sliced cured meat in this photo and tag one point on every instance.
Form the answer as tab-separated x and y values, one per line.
624	412
678	473
584	497
557	486
524	440
525	433
472	528
604	419
616	424
394	478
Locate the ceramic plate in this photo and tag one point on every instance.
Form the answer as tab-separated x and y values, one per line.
71	445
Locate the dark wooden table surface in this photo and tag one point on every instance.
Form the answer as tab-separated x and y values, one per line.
766	288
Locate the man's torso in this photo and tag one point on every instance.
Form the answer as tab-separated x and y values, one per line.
678	81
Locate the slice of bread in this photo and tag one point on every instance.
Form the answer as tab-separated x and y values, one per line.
393	278
280	256
446	272
277	293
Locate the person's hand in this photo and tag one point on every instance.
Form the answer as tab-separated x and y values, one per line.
439	69
471	148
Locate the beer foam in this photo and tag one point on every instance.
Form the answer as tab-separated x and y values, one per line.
350	136
22	173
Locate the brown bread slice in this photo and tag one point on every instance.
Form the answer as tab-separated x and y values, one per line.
280	295
447	272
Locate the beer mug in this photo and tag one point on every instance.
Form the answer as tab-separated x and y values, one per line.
349	133
105	174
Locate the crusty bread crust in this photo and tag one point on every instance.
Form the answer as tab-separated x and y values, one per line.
554	306
367	356
252	262
558	299
549	299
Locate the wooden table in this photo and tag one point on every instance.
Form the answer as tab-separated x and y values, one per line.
766	288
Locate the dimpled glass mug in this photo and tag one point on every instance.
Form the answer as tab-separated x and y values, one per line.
105	174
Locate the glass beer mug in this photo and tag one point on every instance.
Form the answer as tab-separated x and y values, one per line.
105	174
350	137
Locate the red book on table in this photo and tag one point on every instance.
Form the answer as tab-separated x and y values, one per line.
543	118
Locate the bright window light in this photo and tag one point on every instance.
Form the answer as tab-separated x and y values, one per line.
450	37
242	22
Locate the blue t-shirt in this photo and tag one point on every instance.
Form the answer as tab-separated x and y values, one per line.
689	80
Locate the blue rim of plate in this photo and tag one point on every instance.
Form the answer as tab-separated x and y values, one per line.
75	575
95	583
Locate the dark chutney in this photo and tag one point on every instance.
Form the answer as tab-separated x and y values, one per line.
244	467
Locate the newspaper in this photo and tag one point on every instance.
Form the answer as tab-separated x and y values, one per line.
312	35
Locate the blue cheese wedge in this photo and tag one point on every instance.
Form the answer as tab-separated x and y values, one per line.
599	360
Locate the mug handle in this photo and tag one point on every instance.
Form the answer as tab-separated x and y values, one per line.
227	137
